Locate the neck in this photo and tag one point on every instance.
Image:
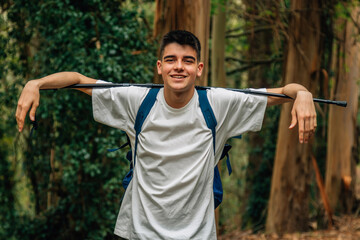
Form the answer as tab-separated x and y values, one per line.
178	99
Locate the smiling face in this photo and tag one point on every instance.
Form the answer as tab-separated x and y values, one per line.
179	68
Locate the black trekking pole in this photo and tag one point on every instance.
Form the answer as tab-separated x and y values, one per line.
247	91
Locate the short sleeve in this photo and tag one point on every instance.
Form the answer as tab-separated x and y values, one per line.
117	107
237	112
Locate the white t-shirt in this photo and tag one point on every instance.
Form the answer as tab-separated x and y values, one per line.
171	193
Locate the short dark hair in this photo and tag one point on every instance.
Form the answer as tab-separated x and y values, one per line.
181	37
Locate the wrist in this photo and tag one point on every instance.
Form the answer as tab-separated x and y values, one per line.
293	90
34	83
303	92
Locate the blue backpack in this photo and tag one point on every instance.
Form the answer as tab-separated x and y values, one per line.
211	122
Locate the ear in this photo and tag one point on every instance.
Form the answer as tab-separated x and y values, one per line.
159	65
200	68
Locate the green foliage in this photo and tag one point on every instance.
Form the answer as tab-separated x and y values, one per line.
216	5
7	215
75	183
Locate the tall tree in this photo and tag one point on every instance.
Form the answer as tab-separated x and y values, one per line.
190	15
342	151
288	204
261	25
218	75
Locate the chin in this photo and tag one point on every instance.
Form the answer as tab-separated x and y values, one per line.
180	87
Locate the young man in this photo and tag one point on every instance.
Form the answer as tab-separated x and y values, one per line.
171	193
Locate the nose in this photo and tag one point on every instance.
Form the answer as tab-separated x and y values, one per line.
179	65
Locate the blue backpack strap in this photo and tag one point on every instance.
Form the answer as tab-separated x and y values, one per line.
225	153
142	114
128	177
217	188
211	124
207	113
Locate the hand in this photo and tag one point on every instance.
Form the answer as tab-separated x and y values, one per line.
303	113
29	98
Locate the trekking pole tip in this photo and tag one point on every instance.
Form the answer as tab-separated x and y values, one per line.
341	103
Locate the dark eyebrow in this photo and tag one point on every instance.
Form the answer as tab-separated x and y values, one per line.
169	56
191	57
173	56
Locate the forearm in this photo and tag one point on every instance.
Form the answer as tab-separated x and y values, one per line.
290	90
61	79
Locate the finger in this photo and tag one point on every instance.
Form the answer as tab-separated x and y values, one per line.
293	120
315	123
33	111
312	127
18	119
301	130
21	119
307	130
21	114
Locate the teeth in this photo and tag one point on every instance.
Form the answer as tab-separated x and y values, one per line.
178	76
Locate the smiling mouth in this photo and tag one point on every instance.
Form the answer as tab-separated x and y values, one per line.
178	76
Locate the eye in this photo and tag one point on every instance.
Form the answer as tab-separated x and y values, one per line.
189	61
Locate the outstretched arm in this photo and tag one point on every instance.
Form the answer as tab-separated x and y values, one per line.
30	95
303	112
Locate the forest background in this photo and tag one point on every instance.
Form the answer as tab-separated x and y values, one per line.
60	182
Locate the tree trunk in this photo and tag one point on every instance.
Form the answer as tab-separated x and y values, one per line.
288	204
259	49
190	15
218	74
342	132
